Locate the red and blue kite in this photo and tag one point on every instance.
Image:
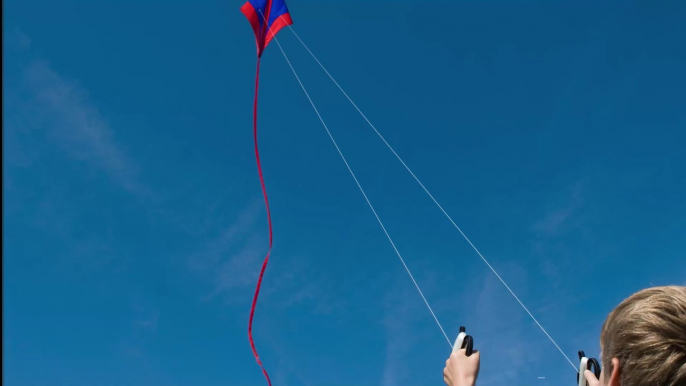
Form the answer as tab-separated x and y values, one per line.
266	17
276	15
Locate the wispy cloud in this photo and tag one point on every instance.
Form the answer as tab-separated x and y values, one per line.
405	327
552	235
40	100
137	342
223	243
240	268
232	258
50	119
77	125
18	39
145	319
400	337
501	321
555	220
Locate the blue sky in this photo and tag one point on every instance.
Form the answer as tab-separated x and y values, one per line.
552	132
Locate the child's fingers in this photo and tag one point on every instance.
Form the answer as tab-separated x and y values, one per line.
463	353
590	378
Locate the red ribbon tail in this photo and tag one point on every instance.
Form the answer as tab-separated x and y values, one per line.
269	220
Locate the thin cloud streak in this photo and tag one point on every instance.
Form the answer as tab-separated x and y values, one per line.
556	219
78	127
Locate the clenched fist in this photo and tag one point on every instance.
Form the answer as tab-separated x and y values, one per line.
460	369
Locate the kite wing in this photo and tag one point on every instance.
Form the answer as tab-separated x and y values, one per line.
276	15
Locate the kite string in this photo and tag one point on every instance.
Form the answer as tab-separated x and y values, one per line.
363	193
269	220
432	197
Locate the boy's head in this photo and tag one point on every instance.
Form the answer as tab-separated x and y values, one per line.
643	340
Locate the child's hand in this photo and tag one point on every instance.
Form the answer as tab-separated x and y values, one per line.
460	369
590	378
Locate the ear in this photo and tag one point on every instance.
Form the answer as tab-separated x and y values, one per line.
616	373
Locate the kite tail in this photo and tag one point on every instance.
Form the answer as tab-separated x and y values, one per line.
269	219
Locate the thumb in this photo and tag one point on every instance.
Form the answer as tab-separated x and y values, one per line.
476	355
590	378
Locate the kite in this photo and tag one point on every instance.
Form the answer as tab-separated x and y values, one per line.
274	12
266	17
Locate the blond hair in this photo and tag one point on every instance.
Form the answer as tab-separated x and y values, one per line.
647	334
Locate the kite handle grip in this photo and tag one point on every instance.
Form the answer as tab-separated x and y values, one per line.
464	341
585	363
